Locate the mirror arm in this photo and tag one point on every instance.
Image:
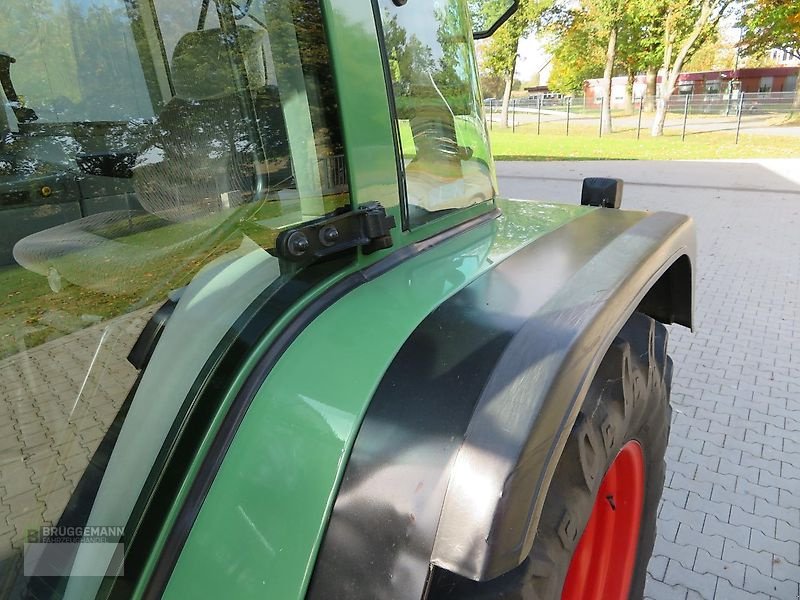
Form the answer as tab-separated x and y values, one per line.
481	35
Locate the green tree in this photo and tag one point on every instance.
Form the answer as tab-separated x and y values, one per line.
584	36
577	55
501	51
712	56
769	24
491	85
639	48
609	16
686	25
604	38
597	24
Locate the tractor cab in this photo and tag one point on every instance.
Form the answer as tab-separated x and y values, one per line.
156	155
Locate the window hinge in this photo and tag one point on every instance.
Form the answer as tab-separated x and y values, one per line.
368	226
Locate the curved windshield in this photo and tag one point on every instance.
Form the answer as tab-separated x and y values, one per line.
151	152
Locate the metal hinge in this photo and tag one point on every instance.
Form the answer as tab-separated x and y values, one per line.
368	226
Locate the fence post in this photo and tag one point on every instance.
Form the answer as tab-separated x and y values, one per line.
569	105
539	117
685	115
639	124
739	115
513	116
491	113
602	105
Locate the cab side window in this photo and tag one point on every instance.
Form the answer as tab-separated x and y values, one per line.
442	133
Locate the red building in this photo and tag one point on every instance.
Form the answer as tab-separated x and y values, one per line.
764	80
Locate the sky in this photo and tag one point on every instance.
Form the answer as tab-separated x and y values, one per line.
532	58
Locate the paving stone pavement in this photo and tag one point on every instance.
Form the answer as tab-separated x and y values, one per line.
57	400
729	520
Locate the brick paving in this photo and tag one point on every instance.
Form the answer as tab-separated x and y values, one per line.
57	400
729	521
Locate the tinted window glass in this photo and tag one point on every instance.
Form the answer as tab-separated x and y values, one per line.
150	155
442	132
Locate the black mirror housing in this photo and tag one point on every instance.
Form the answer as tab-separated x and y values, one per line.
604	192
485	25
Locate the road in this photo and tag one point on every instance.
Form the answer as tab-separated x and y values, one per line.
729	521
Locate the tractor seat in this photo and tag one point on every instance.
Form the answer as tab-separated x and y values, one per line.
212	145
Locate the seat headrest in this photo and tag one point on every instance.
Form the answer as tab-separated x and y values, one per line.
202	66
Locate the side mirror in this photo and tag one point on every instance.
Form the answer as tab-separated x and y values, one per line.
604	192
489	15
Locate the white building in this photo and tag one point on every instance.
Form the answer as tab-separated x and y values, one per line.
784	57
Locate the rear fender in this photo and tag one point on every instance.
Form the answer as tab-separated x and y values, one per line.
531	400
457	448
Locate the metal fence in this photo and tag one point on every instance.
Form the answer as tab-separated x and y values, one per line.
687	114
727	104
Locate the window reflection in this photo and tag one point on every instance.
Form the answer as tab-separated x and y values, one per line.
442	132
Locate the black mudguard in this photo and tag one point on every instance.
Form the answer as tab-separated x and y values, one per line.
456	452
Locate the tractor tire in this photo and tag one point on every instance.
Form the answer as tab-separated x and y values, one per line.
621	433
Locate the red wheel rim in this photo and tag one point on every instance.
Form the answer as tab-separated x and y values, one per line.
603	563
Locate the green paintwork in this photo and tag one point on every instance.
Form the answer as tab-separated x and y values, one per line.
261	524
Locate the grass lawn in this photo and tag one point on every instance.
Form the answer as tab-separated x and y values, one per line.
584	144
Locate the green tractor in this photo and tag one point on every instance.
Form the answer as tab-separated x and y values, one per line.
268	330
